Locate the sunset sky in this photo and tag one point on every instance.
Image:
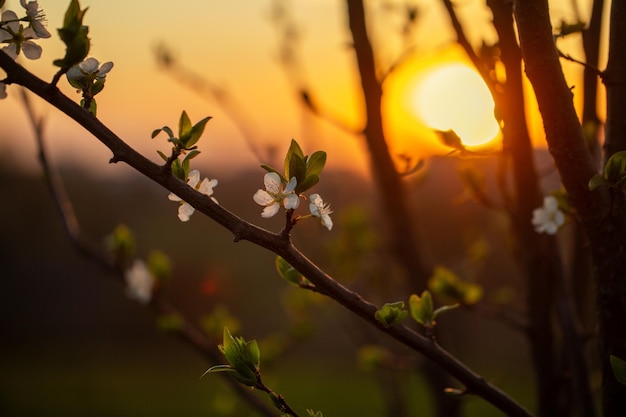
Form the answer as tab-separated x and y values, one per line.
235	45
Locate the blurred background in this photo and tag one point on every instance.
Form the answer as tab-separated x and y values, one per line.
74	344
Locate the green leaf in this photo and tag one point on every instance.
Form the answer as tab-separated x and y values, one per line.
308	182
192	155
122	242
74	35
287	271
619	369
615	167
297	168
315	163
97	87
179	171
294	149
391	313
162	155
422	308
159	265
597	181
196	132
445	283
184	127
243	356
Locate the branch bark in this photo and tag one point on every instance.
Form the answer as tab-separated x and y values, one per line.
601	212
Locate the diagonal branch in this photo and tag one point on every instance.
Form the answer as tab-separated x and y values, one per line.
243	230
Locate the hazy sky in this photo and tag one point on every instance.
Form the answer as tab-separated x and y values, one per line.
234	45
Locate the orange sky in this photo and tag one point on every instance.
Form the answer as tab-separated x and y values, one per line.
233	44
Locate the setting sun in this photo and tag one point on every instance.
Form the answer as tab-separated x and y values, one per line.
454	97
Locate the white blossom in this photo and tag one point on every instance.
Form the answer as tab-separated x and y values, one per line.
90	68
36	17
321	210
549	218
274	195
205	187
17	38
140	282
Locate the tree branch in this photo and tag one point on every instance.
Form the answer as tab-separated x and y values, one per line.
243	230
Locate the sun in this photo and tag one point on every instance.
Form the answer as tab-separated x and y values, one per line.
453	96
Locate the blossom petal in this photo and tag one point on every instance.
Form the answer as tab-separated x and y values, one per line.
31	50
11	50
193	178
185	211
104	69
174	197
262	198
272	182
270	210
11	17
89	66
206	186
139	281
291	185
291	201
327	221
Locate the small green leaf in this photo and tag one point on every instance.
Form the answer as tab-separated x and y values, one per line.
391	313
243	356
619	369
97	87
196	132
615	167
297	168
307	183
74	35
184	127
294	149
121	242
287	271
192	155
422	308
159	265
162	155
597	181
315	163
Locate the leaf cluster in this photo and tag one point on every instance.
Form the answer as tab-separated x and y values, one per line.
448	285
244	359
422	309
306	169
614	173
185	143
74	35
391	313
